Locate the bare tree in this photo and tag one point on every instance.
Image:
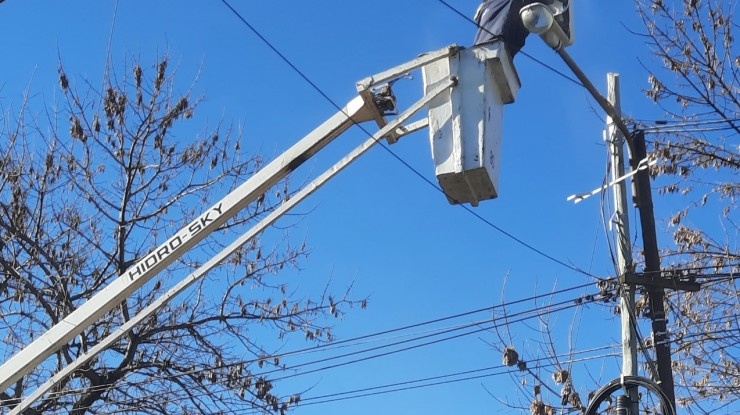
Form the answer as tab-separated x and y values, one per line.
697	84
91	185
547	367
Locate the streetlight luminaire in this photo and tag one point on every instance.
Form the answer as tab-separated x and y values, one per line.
539	19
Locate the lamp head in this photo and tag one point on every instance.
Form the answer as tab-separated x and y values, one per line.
536	17
539	19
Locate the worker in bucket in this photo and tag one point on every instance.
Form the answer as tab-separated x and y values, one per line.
498	20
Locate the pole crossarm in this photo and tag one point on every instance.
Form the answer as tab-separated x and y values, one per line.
663	280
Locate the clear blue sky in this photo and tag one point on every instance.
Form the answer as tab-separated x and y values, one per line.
378	226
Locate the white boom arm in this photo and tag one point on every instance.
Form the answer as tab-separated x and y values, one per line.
238	243
361	109
136	276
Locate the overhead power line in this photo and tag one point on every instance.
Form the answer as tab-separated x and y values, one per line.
675	130
432	381
431	339
456	377
442	380
682	124
418	383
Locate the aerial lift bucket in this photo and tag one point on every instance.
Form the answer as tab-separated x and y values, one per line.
465	123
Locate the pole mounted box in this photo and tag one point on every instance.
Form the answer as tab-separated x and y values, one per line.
465	123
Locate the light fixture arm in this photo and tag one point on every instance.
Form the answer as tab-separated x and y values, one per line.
539	19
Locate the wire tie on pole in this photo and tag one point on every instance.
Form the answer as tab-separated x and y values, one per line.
642	165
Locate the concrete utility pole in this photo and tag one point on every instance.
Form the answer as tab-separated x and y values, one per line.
624	247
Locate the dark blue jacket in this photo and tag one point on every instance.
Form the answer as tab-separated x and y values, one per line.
499	20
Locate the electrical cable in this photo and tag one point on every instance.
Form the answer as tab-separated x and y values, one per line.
694	130
359	392
484	309
523	316
549	309
696	268
539	312
508	370
323	399
355	392
681	124
329	346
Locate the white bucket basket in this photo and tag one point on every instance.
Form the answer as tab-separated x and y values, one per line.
465	123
